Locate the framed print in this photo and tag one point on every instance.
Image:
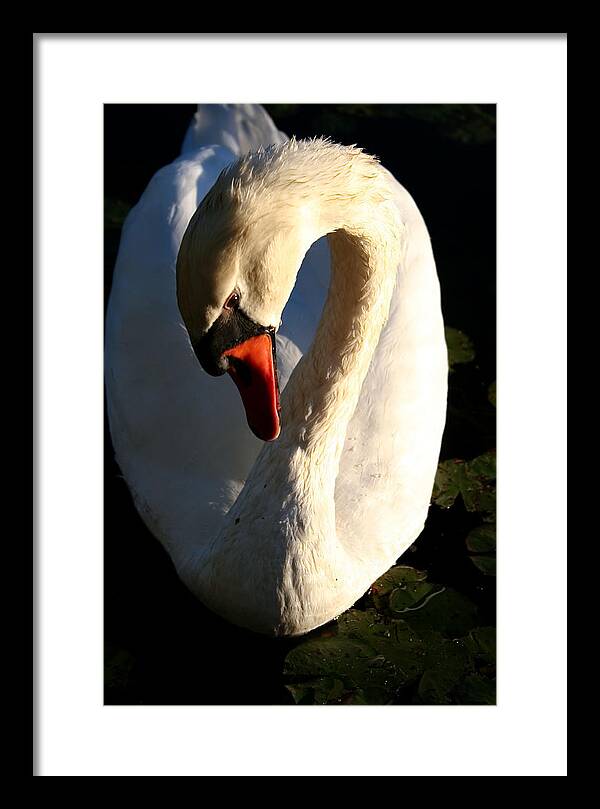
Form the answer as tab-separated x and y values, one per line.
282	280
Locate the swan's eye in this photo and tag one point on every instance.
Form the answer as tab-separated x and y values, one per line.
232	302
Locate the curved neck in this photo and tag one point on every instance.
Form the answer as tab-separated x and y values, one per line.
289	495
285	514
291	196
366	243
288	197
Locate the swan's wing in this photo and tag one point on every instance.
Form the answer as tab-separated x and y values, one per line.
240	128
180	436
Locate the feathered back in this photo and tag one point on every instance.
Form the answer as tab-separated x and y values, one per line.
238	127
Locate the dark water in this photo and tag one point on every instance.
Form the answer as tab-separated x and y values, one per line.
163	646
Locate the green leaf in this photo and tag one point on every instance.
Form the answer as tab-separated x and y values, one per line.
408	595
372	657
477	690
445	666
361	624
396	649
355	697
459	671
486	564
460	347
330	657
323	691
444	610
473	480
492	394
400	654
481	643
395	576
449	480
483	466
482	539
420	649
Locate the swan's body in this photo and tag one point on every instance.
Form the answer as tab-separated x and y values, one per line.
279	537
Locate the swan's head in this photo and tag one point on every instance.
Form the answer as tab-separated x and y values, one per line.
236	268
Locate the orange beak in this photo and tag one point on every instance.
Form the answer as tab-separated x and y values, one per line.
252	367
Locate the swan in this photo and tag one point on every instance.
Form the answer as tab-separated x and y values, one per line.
303	270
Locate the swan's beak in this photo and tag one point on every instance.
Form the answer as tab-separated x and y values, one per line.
252	366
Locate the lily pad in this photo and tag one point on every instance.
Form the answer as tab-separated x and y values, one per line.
410	596
444	610
460	347
473	480
323	691
481	542
361	624
477	690
486	564
481	643
446	664
330	657
482	539
397	649
373	658
460	670
417	642
395	576
483	466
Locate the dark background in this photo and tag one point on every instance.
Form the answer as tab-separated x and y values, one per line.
162	645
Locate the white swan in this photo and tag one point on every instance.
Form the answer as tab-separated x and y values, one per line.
278	537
